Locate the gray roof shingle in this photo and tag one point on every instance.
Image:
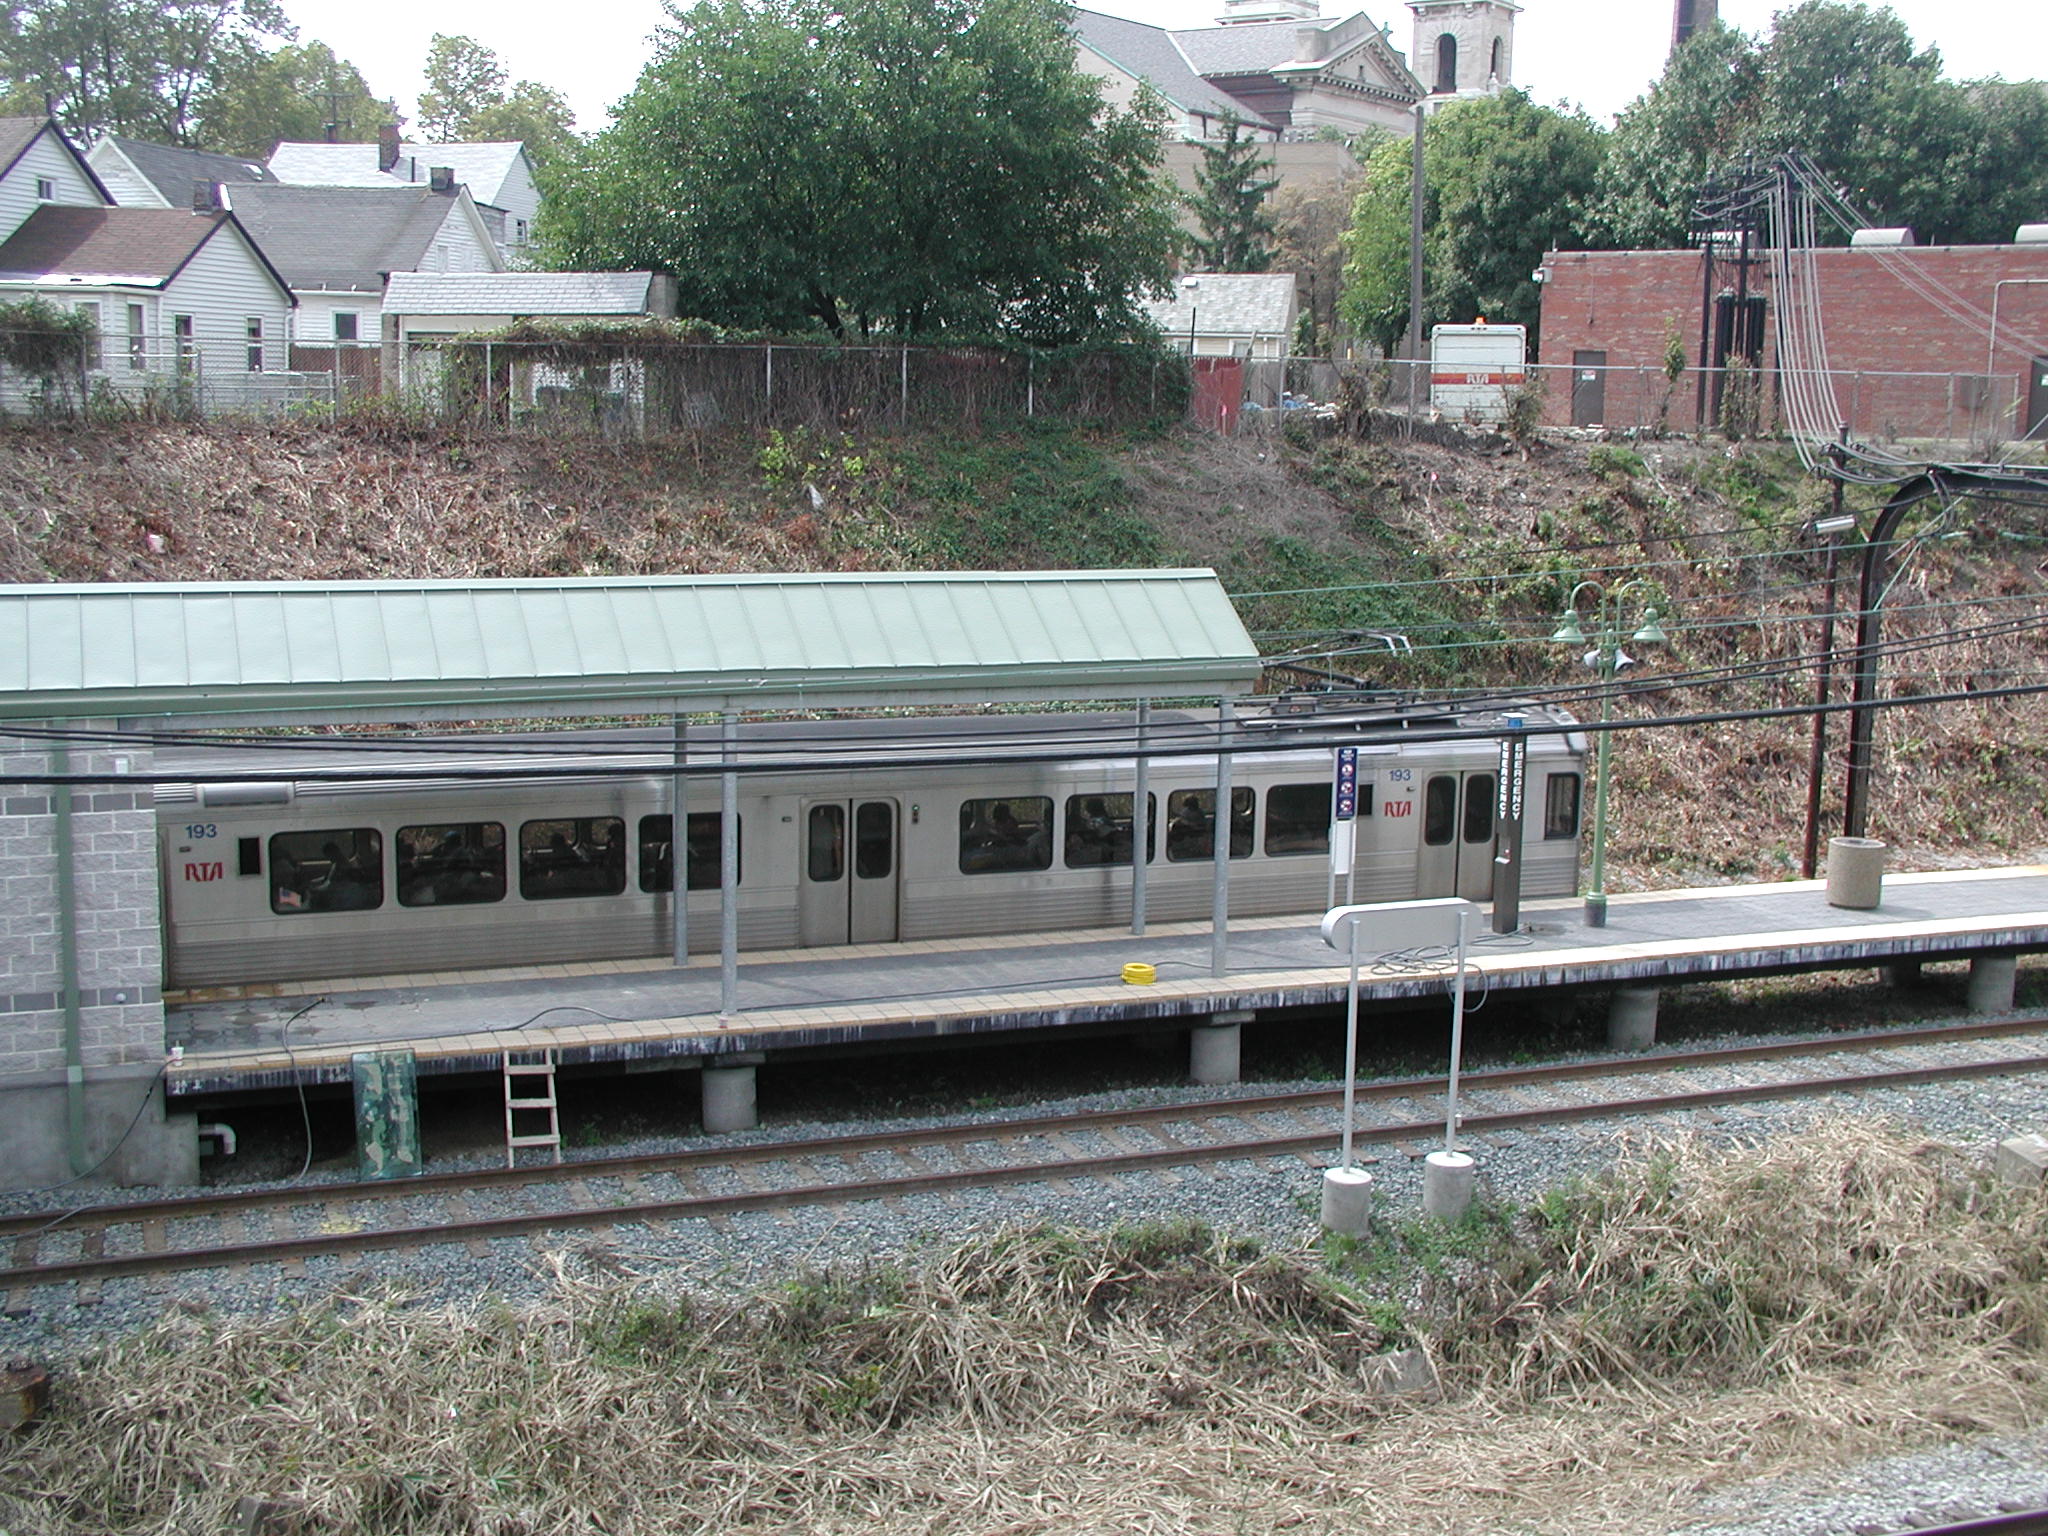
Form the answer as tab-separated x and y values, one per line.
1150	53
519	293
345	238
1228	304
173	171
143	246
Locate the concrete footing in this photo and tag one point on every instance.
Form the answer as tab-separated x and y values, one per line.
161	1148
1213	1049
1347	1201
1448	1180
1992	982
2022	1160
1632	1019
1855	876
729	1093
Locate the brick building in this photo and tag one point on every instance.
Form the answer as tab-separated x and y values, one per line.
1907	332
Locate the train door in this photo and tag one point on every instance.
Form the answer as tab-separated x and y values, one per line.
1456	853
847	885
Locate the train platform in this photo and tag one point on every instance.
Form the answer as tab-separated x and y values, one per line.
650	1012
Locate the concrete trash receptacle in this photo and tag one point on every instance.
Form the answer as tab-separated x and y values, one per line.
1855	872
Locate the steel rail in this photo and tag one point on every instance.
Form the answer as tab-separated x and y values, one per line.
228	1202
853	1190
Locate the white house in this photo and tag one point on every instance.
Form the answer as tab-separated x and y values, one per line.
499	176
337	246
40	168
177	295
1229	314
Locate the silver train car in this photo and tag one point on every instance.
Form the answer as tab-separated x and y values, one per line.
376	857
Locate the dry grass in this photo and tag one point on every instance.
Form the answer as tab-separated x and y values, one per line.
1697	1317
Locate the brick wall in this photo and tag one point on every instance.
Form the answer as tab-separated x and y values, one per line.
1627	304
119	926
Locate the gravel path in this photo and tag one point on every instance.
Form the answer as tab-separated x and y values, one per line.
1273	1199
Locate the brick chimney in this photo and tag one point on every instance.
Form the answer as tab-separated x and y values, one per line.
441	178
209	197
387	146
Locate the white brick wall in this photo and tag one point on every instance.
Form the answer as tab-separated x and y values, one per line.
119	926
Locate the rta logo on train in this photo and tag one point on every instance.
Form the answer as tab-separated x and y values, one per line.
204	872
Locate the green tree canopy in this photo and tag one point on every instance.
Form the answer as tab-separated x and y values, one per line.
463	78
1842	83
920	167
534	114
141	68
1237	228
300	92
1504	181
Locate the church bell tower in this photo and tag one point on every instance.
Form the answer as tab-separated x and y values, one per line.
1690	16
1463	47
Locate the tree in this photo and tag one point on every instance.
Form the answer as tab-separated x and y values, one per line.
301	93
134	67
463	78
920	167
1310	220
1230	204
1842	84
1504	181
538	117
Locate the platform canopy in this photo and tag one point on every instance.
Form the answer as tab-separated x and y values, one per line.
317	652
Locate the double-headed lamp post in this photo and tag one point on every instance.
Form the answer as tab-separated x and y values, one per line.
1607	658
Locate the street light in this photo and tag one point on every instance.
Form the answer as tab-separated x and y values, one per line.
1191	284
1607	658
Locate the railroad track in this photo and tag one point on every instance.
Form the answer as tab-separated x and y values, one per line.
88	1246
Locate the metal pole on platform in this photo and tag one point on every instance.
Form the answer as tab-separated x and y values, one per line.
1351	1045
1219	846
729	870
1457	1033
678	843
1141	819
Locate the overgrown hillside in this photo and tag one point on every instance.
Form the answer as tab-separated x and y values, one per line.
1329	544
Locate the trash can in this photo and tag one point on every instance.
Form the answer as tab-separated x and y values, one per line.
1855	872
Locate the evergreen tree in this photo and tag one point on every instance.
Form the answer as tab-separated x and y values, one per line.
1230	204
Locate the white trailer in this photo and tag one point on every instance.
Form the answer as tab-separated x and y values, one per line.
1474	369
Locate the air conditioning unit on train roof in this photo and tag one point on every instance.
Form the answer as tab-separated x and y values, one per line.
1864	239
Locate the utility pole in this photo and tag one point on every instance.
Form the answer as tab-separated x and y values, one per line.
1415	274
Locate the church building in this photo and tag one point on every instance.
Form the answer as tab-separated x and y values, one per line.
1290	74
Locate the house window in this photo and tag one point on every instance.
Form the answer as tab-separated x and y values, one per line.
181	334
1446	64
93	356
519	231
345	325
255	331
138	340
46	190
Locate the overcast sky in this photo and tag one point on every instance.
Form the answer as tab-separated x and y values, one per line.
1600	54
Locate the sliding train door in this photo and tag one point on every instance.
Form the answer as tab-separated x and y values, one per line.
1456	853
849	880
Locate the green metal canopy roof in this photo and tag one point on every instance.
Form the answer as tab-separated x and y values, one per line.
477	649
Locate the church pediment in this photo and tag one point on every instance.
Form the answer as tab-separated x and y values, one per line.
1370	62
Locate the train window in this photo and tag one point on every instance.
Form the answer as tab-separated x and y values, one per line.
1008	834
874	839
1439	809
1099	829
1190	824
657	872
248	855
572	856
1298	818
1561	806
338	871
448	864
826	841
1479	808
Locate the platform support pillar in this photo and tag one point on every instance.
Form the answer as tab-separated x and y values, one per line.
1903	973
1213	1047
1632	1019
1992	982
729	1093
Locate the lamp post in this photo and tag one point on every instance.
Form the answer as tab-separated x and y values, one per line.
1192	285
1607	658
